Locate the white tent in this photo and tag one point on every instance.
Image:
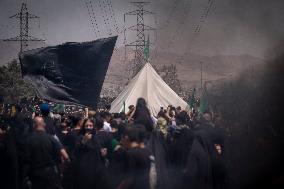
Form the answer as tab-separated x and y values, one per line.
150	86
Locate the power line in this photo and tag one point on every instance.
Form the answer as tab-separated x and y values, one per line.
171	13
139	28
198	27
102	6
187	9
95	17
93	20
112	15
203	16
42	33
24	17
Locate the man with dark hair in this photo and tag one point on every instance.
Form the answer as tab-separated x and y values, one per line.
178	109
205	121
50	123
107	119
119	122
103	137
122	116
138	161
73	136
205	166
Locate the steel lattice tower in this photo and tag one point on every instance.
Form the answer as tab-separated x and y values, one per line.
140	29
24	36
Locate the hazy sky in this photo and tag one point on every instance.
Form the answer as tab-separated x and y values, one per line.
232	26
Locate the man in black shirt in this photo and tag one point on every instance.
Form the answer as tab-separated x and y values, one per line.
49	122
42	157
137	162
104	138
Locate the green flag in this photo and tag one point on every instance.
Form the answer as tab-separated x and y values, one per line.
123	108
59	108
204	106
147	49
191	101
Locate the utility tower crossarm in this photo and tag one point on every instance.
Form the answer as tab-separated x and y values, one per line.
24	16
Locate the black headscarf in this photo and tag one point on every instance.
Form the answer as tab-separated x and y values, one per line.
142	115
205	167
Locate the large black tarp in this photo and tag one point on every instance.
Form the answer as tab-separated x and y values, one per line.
71	72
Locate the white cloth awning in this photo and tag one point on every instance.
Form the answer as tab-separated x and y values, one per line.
150	86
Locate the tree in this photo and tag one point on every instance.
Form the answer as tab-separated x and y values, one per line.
12	85
170	76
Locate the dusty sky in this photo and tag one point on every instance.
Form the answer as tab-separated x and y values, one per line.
232	26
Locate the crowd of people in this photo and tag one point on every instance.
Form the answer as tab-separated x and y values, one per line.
98	149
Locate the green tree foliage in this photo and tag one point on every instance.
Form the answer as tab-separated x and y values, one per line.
12	85
170	76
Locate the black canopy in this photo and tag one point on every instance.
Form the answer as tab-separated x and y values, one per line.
71	72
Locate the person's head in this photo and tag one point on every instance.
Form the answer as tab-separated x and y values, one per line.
122	115
161	114
116	116
99	122
77	121
178	109
106	116
64	123
44	109
39	123
133	134
131	107
162	125
207	116
182	118
88	125
114	126
141	103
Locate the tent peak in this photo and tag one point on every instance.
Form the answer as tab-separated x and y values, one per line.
149	85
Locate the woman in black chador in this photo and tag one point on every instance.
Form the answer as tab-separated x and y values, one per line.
141	115
205	167
89	170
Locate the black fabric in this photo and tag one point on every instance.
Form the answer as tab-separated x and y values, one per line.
143	117
49	125
89	171
47	178
158	147
42	151
21	126
117	167
41	159
138	168
72	140
71	72
9	172
206	168
179	144
104	138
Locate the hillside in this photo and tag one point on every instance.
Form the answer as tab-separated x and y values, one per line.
215	68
